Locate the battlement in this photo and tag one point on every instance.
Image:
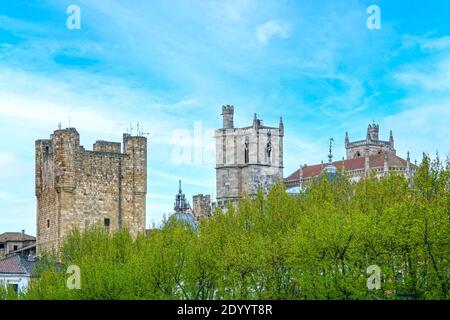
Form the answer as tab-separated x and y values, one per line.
369	146
78	188
107	146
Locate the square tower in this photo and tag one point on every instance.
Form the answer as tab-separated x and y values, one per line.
78	189
247	159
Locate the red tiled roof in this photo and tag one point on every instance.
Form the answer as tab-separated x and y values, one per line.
375	161
17	264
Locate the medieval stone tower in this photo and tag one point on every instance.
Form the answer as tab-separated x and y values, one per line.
76	188
247	159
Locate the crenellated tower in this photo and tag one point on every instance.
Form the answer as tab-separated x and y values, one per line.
78	189
371	145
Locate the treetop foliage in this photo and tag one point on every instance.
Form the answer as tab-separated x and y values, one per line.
314	245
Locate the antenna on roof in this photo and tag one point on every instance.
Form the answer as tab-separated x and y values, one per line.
142	133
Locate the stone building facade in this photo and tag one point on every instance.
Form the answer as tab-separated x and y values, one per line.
12	242
364	157
371	145
77	188
247	159
202	206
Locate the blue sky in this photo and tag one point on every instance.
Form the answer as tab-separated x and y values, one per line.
170	65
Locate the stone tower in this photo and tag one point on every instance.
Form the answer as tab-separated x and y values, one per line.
371	145
247	159
76	188
202	206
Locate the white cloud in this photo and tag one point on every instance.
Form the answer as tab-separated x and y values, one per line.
272	28
431	77
426	43
421	127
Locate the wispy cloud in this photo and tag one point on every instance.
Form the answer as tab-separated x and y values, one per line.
427	42
434	77
270	29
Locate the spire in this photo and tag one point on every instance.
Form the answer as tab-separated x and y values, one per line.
347	141
281	126
255	121
330	154
391	139
181	205
408	165
330	168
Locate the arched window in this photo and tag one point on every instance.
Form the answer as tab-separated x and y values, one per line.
269	147
246	155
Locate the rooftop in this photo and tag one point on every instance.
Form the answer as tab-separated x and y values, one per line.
375	161
16	236
17	264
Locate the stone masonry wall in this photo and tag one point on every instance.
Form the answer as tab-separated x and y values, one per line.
238	174
78	189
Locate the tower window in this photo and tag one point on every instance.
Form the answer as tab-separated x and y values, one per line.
246	155
269	147
269	150
48	223
106	222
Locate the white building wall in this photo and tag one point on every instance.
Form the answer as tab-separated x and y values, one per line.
10	279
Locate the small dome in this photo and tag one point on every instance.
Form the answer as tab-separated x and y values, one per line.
185	218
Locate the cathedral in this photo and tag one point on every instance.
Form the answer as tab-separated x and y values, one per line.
363	158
